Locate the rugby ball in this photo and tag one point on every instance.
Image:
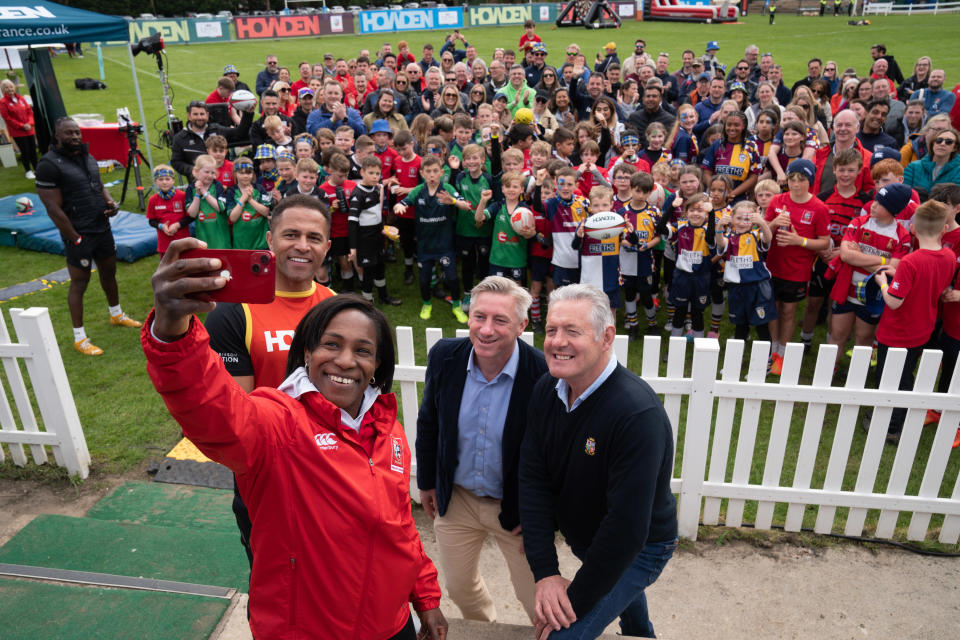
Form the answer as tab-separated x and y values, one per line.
24	205
657	196
521	217
243	100
604	225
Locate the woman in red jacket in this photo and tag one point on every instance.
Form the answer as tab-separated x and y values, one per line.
322	463
18	116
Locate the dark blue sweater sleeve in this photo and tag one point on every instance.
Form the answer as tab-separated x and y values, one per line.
536	497
428	423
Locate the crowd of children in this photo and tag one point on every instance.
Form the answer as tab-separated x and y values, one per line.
696	237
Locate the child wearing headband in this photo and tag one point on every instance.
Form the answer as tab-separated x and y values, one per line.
249	208
166	210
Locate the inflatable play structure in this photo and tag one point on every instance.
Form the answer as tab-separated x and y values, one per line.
687	11
600	14
592	14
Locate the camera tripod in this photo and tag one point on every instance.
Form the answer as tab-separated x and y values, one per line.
134	159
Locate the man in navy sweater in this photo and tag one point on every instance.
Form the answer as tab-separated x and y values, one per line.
596	461
469	429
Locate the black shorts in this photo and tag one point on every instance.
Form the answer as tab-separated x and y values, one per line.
858	310
820	286
339	247
539	268
751	302
636	285
368	261
690	288
563	276
788	291
517	274
93	247
466	245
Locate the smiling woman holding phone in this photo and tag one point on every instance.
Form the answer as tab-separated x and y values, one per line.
322	462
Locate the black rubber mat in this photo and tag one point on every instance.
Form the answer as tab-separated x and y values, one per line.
199	474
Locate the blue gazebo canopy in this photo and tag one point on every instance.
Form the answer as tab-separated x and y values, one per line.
40	22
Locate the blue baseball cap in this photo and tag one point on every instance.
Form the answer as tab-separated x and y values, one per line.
713	45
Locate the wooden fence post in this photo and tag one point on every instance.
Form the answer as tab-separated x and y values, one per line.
46	372
696	438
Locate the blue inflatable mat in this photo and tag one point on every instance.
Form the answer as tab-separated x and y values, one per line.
134	238
14	223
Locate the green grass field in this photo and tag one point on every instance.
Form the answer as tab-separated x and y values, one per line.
124	420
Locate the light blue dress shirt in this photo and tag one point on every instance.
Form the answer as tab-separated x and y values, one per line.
483	412
563	389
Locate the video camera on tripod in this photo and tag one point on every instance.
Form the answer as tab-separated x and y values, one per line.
134	155
153	45
127	126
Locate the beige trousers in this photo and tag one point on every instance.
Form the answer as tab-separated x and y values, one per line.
460	535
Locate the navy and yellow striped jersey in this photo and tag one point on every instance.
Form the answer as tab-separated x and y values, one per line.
745	255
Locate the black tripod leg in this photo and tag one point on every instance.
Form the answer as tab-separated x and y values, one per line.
126	179
137	158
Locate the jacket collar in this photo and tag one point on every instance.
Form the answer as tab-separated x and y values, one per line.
378	408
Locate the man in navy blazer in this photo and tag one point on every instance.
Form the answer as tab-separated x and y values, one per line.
469	430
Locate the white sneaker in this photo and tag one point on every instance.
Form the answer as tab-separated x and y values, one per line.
31	175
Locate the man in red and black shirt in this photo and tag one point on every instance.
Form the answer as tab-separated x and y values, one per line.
254	339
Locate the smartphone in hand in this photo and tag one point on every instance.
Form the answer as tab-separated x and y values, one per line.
249	273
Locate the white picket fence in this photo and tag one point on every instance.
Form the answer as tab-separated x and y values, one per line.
709	426
886	8
36	346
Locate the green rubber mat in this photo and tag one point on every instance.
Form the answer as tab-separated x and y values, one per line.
166	553
168	505
31	610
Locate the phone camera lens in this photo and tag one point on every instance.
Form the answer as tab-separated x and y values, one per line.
256	268
264	259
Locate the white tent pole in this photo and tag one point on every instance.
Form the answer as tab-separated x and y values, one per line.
100	62
143	116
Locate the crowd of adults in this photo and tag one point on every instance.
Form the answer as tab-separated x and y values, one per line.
611	94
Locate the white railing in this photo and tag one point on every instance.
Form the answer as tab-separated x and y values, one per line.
886	8
711	412
37	346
